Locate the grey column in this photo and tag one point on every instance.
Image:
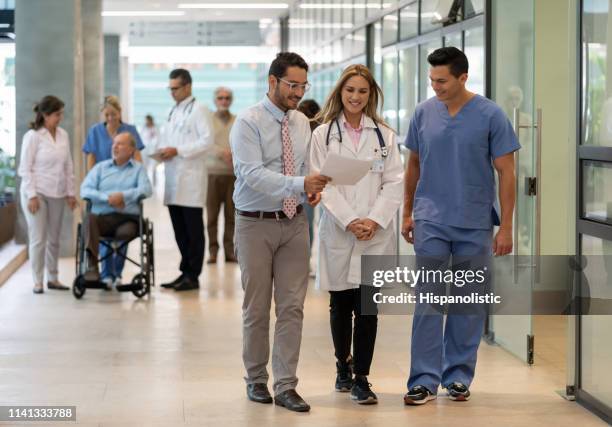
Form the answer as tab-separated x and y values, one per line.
93	56
112	66
50	60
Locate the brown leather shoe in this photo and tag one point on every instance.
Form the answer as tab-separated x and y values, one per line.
211	260
230	258
291	400
259	393
57	286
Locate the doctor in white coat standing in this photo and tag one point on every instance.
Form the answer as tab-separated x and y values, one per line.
186	139
356	219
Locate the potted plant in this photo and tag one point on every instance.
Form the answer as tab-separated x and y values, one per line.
8	207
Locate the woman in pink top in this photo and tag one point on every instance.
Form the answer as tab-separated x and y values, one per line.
47	183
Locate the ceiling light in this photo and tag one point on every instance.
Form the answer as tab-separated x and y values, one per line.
143	13
233	6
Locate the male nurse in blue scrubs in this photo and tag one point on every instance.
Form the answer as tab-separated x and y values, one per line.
456	140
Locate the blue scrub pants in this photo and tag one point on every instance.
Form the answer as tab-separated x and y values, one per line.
446	353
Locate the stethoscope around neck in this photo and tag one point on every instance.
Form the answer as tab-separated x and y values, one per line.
381	141
188	108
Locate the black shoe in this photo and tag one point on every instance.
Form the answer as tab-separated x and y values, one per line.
418	395
361	392
187	284
230	258
291	400
344	376
173	283
458	392
259	393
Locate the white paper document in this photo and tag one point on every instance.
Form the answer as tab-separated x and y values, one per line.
343	170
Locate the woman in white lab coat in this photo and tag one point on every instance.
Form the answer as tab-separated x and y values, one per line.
356	219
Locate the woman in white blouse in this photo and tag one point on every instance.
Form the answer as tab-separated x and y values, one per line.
47	183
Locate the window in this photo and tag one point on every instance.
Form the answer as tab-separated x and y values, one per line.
434	13
597	191
409	21
390	27
389	88
474	50
454	40
425	90
408	87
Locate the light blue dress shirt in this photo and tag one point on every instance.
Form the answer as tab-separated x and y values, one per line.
456	186
257	151
106	178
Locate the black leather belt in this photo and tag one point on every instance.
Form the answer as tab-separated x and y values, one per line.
269	215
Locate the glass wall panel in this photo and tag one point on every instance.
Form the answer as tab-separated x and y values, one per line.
359	42
389	87
347	47
360	11
597	86
474	7
374	7
597	191
475	51
425	90
454	39
347	12
409	21
390	27
596	347
377	71
433	12
408	87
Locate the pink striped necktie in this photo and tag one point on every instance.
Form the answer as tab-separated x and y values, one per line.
289	203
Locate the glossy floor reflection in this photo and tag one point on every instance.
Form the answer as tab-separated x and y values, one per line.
175	359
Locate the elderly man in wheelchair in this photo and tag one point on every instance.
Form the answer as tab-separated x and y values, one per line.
114	190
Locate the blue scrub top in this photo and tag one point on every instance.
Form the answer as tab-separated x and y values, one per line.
456	186
99	142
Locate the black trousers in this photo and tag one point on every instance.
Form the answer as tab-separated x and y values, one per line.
342	305
188	224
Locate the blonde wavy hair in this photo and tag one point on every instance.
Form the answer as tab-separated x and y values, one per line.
333	105
111	101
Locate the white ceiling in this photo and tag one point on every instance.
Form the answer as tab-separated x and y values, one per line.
120	25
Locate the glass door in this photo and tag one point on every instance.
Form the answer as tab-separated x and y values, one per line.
512	87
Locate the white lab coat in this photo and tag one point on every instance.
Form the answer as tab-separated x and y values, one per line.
376	196
188	130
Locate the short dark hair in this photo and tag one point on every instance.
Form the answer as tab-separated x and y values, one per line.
455	59
181	73
284	60
309	107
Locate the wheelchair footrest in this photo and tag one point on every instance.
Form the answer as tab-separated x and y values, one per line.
129	287
94	285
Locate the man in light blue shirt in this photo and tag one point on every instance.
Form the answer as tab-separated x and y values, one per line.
456	140
114	188
270	144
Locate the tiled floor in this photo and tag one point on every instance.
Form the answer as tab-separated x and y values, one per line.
175	359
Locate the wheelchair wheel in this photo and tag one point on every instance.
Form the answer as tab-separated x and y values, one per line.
150	270
78	287
145	286
79	250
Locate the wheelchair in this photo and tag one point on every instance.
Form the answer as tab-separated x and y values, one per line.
142	282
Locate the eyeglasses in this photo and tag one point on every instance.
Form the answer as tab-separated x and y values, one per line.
293	86
174	89
224	98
